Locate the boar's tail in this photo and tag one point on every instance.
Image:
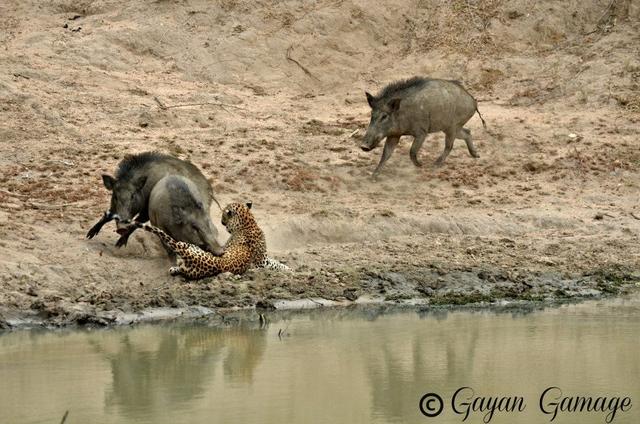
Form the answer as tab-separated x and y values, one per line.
484	124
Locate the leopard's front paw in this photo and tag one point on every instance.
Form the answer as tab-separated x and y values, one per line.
174	270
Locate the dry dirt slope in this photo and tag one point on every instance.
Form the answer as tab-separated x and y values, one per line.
264	96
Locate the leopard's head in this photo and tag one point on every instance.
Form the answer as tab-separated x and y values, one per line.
236	216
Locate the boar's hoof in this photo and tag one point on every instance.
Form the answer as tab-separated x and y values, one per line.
122	241
414	157
94	231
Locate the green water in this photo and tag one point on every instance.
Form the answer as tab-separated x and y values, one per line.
336	366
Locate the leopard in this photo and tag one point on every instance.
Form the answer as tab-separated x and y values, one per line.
245	249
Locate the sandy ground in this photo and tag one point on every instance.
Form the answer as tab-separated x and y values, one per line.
266	98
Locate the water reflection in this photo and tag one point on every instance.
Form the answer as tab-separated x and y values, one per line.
174	366
341	365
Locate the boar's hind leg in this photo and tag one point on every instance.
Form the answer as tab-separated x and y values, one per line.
465	134
415	148
450	136
389	147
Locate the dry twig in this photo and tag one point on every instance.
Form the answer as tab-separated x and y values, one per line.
162	105
306	71
223	106
59	206
11	193
602	19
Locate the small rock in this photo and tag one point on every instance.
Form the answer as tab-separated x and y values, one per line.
4	325
179	304
265	304
427	291
547	261
32	290
12	206
507	241
590	293
395	278
472	250
351	294
486	276
574	137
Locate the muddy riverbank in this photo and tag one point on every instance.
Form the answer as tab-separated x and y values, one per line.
267	98
250	295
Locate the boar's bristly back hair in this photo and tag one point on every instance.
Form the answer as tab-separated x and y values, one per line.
131	163
397	88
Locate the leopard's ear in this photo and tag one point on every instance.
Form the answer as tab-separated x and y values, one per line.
248	205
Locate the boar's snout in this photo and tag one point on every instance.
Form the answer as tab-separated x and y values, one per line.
369	143
216	250
210	244
371	139
208	236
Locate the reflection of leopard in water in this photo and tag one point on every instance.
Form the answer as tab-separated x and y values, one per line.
246	248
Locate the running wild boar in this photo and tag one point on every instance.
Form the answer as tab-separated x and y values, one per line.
131	187
176	207
417	107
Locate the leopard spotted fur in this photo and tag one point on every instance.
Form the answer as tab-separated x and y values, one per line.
245	249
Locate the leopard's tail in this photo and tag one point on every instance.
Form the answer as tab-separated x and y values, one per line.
271	263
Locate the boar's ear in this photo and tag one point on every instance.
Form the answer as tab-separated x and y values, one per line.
248	205
394	104
108	181
370	99
140	182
